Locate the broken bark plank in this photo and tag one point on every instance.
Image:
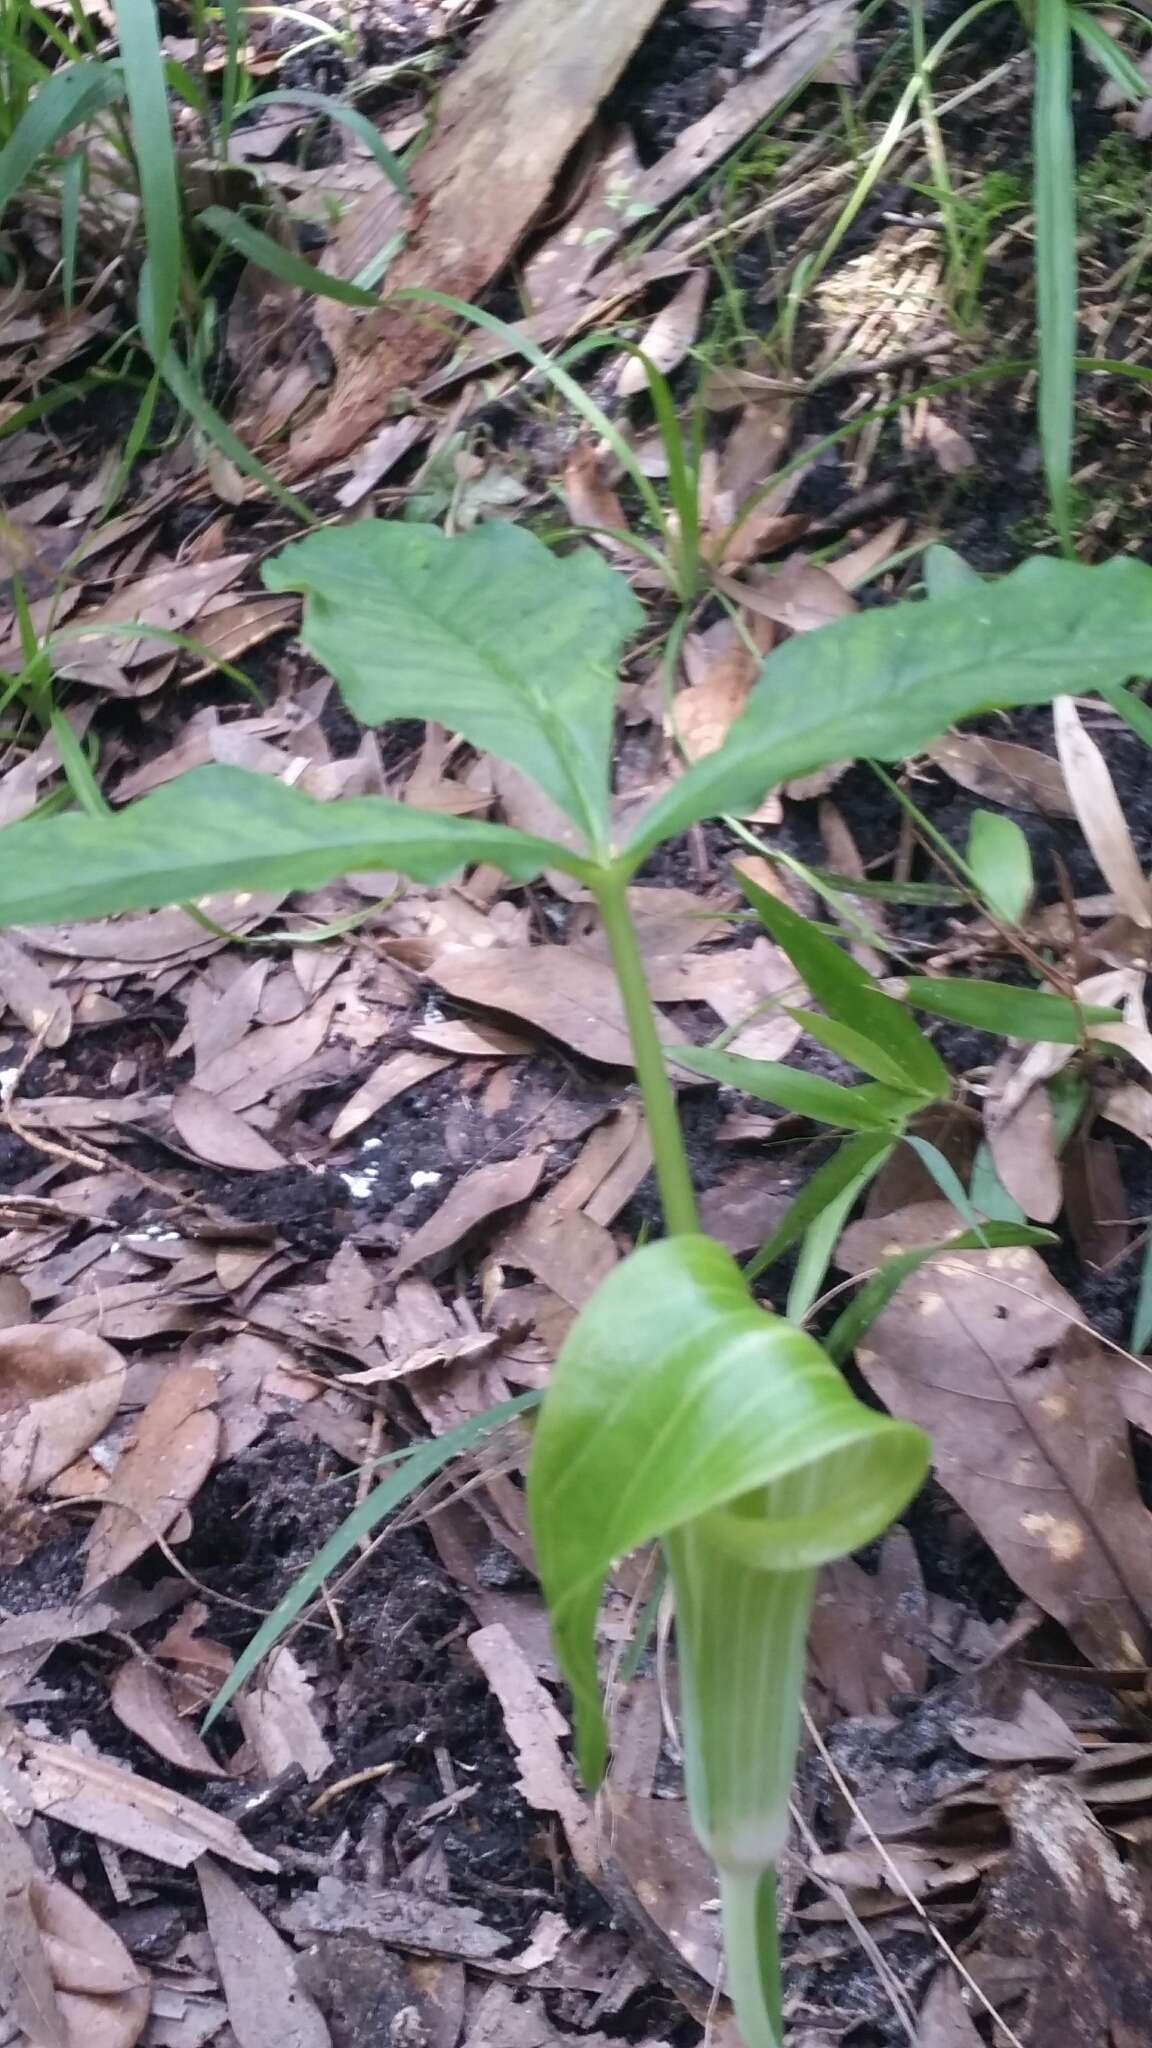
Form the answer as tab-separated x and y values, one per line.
508	119
577	252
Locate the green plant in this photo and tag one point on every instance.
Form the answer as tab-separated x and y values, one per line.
679	1409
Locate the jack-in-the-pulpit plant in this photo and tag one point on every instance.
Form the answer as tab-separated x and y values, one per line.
679	1409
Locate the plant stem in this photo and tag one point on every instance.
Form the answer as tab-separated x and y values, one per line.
752	1955
673	1175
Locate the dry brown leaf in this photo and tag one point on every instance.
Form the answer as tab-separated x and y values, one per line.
83	1952
667	341
753	449
198	1662
590	498
1004	772
28	1997
1035	1733
951	450
399	1072
989	1354
25	988
743	1208
171	597
564	1239
103	1998
103	1798
536	1728
565	993
263	1061
105	947
870	1630
470	1041
268	2005
1100	813
1095	1200
219	1018
278	1716
140	1698
226	634
860	564
59	1390
800	595
481	1194
396	1917
221	1136
175	1446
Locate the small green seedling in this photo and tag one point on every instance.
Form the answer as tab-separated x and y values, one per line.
679	1409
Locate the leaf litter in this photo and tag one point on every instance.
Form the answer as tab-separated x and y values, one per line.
307	1118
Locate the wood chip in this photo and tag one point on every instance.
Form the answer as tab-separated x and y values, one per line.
536	1728
506	120
104	1799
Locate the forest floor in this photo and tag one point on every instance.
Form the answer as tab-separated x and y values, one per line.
327	1193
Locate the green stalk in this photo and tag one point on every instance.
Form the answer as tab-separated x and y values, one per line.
741	1630
673	1175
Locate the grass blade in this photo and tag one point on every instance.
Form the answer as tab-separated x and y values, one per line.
68	98
412	1469
1110	55
858	1160
286	264
1054	196
142	65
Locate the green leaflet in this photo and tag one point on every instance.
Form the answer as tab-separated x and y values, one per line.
885	682
224	828
803	1094
1013	1012
676	1397
1000	862
850	996
489	633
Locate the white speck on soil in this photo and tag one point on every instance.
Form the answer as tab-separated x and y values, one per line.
360	1185
426	1180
